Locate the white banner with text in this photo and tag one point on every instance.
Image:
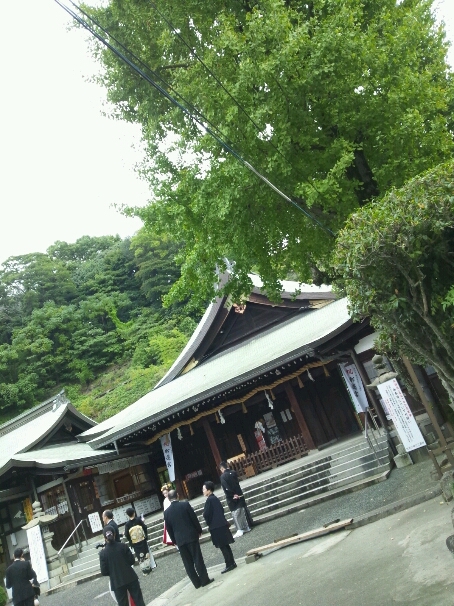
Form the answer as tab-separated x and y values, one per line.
354	386
168	455
401	415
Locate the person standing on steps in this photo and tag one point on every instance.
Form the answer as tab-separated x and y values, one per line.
218	526
107	518
18	578
184	530
137	534
116	560
166	540
235	499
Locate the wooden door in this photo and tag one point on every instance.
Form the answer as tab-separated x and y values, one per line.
84	502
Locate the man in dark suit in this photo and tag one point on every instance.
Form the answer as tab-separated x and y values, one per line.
235	499
184	529
116	560
107	518
18	578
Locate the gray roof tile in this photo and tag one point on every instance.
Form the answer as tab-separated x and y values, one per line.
246	360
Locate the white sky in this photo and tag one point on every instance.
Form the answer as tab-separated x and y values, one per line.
63	165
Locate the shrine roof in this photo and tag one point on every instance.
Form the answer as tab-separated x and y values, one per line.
24	432
262	352
61	455
306	293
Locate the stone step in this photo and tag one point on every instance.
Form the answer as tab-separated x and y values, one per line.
267	507
351	464
321	471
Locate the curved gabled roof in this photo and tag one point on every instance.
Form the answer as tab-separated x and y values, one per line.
289	288
21	434
262	352
61	455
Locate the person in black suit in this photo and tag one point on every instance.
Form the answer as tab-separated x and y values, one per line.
235	499
18	578
116	560
218	526
184	529
107	518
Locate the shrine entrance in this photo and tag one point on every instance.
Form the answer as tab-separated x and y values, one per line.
84	501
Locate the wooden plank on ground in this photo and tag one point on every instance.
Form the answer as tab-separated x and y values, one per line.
305	536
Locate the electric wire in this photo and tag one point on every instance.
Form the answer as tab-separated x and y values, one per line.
168	85
212	74
200	122
148	68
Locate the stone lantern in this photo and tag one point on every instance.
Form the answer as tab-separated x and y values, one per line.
43	519
383	374
402	459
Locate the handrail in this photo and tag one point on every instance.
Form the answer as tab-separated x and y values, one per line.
75	529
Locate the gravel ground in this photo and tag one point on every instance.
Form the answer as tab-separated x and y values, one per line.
400	484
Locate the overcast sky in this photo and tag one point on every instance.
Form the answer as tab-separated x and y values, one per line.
64	166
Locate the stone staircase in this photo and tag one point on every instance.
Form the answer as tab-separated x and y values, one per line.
345	466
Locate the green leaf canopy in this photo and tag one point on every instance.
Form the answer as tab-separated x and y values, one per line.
335	102
394	260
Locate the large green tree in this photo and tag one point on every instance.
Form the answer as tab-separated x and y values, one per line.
335	102
394	261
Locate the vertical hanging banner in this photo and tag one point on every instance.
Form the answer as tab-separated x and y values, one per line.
401	415
37	555
168	455
354	386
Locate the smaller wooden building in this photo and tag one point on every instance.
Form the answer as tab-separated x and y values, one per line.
42	459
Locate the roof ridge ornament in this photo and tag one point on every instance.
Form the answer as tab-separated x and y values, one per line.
60	400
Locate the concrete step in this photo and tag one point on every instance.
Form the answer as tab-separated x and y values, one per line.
267	507
348	466
338	467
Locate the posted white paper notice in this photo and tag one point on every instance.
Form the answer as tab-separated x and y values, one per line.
401	415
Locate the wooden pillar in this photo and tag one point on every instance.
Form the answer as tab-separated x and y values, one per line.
211	441
179	484
299	416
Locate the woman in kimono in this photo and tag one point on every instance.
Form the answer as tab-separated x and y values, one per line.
165	491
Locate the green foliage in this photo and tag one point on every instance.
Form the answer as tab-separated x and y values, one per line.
3	596
337	102
114	390
157	270
394	261
79	310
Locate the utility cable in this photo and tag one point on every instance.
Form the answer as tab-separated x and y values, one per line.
200	60
213	75
184	109
155	74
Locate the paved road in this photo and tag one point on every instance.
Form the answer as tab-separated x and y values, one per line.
170	569
401	560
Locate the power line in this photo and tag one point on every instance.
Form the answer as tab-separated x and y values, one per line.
156	75
196	56
184	109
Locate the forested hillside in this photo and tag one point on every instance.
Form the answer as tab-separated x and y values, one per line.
88	317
